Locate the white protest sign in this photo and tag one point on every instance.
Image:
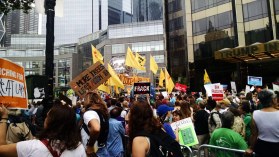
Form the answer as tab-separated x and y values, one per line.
217	92
233	87
186	132
247	89
275	87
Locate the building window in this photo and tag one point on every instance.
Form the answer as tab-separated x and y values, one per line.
159	58
255	10
174	6
3	53
276	5
259	35
118	48
213	23
148	46
176	24
15	53
199	5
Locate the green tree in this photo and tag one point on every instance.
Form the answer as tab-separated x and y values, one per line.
8	5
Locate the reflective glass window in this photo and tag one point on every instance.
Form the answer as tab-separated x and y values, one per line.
276	5
259	35
118	48
255	10
159	58
3	53
199	5
15	53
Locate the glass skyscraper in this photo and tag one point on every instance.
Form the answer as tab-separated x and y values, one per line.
147	10
2	29
196	29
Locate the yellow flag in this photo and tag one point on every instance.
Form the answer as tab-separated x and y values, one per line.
141	60
206	79
105	88
169	82
116	90
153	65
114	79
131	60
96	55
162	78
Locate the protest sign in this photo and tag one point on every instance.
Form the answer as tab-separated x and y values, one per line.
255	81
130	80
90	79
217	92
275	87
142	88
36	86
208	88
247	89
13	91
187	134
233	87
180	87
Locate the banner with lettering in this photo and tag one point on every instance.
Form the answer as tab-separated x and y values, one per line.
254	81
186	132
13	90
142	88
132	79
180	87
90	79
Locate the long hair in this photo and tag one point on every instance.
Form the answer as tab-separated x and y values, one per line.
185	109
94	101
141	119
61	125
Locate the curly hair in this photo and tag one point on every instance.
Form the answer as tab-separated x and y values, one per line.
61	125
141	119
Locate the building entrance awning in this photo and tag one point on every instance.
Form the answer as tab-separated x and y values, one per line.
254	52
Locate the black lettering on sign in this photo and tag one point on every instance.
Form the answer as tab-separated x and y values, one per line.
11	88
97	70
2	84
83	80
97	79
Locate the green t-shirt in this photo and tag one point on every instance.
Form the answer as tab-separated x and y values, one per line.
247	120
228	138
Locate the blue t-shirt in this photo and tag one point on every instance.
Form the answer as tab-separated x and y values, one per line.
169	130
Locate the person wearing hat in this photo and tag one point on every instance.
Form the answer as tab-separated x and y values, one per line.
165	117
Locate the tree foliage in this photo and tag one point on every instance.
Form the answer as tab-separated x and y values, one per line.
7	5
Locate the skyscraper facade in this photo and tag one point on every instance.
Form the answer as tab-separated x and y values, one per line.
147	10
18	22
2	30
214	25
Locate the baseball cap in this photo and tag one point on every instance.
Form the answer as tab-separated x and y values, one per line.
163	109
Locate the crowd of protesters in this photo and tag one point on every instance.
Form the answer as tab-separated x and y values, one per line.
100	126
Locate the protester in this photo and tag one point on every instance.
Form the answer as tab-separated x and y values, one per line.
165	117
177	115
96	125
247	118
116	133
201	123
145	131
186	110
265	128
125	109
238	125
60	136
214	120
226	137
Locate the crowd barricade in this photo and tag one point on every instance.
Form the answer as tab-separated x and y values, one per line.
215	151
187	151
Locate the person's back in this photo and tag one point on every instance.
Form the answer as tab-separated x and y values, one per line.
116	132
226	137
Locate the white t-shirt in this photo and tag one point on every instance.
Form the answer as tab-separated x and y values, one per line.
35	148
124	112
87	117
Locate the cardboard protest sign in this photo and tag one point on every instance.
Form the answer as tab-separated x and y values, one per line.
255	81
142	88
187	134
275	87
90	79
12	85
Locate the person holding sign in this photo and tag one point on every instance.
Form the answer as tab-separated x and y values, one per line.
60	136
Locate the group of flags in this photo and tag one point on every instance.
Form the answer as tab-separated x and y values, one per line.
136	61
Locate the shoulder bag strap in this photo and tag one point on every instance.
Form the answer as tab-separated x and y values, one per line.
52	152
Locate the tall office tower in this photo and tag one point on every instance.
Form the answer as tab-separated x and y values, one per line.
198	30
147	10
2	29
84	17
18	22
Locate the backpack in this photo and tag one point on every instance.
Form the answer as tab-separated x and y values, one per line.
162	145
104	122
18	132
211	119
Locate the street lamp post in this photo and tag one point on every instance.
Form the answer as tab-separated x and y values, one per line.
49	10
